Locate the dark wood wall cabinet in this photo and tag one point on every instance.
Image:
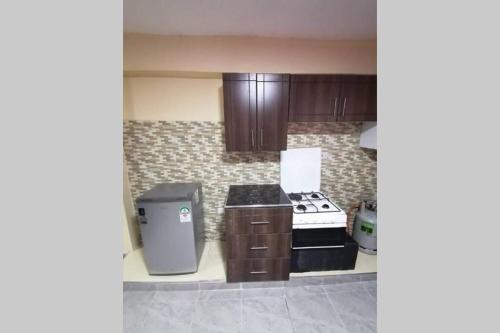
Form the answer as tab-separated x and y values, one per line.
255	111
258	107
328	98
258	244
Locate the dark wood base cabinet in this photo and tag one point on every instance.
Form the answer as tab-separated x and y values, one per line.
258	244
247	221
275	269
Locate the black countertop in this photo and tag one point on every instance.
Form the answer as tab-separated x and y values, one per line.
256	196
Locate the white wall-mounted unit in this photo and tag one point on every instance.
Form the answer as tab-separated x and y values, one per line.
368	137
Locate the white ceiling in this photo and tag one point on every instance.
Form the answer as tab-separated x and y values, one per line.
323	19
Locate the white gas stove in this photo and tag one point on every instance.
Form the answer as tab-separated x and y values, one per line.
316	210
319	238
300	179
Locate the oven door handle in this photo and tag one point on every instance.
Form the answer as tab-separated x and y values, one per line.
317	247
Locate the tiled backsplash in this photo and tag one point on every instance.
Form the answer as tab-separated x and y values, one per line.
160	151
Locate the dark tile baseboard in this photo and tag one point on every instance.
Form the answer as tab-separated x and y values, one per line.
210	285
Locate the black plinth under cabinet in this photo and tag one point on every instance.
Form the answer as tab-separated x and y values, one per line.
325	259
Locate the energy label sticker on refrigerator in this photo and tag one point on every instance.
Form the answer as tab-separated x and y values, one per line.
185	214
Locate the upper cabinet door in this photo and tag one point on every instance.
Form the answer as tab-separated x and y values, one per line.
314	97
358	100
272	111
240	112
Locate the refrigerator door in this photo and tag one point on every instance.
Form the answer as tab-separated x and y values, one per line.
168	237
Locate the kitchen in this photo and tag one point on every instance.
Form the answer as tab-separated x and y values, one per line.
281	130
242	202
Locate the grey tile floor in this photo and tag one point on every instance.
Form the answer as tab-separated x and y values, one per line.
321	304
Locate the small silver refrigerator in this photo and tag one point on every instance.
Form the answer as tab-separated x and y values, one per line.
171	221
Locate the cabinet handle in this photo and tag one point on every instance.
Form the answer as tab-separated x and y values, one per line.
343	109
263	222
258	272
253	141
317	247
335	107
259	248
261	136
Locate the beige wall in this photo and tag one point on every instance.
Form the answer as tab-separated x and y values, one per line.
178	78
247	54
172	98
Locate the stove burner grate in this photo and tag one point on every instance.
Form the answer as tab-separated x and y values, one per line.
295	197
302	208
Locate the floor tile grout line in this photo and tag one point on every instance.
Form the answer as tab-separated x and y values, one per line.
194	312
369	293
334	309
288	313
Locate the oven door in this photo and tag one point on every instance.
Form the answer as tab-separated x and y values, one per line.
318	238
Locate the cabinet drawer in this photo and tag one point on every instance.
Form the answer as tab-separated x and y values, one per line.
258	270
258	246
258	221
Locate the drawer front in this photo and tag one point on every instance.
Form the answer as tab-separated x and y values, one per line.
259	246
258	270
258	221
318	237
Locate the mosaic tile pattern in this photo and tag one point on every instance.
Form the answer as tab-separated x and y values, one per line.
160	151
